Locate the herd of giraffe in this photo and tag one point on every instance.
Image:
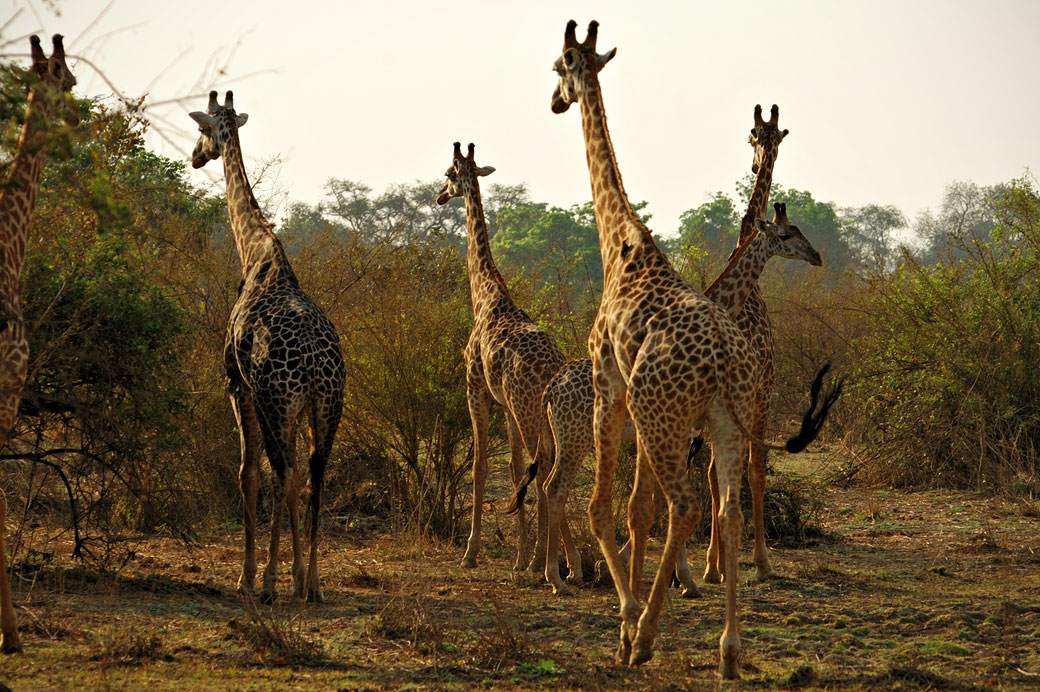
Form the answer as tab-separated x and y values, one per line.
667	362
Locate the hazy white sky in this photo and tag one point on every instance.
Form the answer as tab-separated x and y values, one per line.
887	101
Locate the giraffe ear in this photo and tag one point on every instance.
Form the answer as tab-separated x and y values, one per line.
241	119
484	170
203	119
603	59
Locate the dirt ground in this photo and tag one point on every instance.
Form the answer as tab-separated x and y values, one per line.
910	591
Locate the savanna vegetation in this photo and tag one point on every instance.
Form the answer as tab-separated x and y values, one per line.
126	433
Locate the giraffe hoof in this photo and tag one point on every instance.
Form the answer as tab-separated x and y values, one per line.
641	653
314	596
691	591
468	562
562	590
728	669
763	574
623	653
712	576
9	644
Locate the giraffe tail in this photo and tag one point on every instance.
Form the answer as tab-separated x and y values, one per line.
813	420
516	503
695	447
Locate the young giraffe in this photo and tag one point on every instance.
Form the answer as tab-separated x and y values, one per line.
283	361
675	360
509	359
569	396
753	321
48	96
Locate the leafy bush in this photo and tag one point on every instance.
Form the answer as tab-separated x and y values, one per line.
947	381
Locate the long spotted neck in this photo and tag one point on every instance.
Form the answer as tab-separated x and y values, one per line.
731	288
254	236
617	222
18	196
484	278
759	200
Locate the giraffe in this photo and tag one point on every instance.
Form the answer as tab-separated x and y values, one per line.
48	96
672	359
283	361
753	321
569	396
509	359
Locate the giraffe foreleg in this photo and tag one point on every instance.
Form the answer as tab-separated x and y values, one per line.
544	454
713	559
516	475
477	398
757	481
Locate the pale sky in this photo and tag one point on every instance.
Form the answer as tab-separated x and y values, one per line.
887	101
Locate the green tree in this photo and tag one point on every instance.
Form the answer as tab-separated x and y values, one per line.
947	373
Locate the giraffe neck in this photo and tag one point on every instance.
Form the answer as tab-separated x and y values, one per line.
616	221
731	288
254	237
483	274
759	200
18	196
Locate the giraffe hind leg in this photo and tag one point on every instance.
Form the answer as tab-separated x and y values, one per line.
249	482
275	429
323	434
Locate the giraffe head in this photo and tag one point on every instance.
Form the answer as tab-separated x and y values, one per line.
578	62
765	137
785	239
217	126
56	76
462	174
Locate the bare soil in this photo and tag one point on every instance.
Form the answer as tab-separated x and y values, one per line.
906	591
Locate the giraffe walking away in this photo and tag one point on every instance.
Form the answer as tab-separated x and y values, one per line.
569	396
754	323
509	360
49	96
672	359
283	361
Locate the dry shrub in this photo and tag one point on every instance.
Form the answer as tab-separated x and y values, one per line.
276	635
504	645
127	647
409	616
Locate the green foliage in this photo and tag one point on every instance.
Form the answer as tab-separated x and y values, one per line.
948	378
107	328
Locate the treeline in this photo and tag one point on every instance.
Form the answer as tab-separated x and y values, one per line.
131	274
